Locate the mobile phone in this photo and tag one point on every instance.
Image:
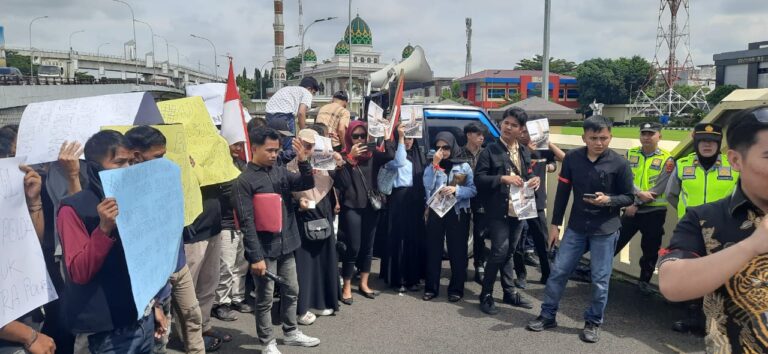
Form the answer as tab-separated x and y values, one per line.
371	146
590	196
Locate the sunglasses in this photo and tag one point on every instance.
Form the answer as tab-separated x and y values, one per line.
444	148
359	136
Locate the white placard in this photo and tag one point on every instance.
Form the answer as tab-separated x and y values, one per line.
45	126
322	155
524	201
24	281
413	119
213	97
539	132
441	204
377	124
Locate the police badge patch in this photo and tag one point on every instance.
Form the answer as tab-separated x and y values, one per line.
689	172
724	173
633	160
656	164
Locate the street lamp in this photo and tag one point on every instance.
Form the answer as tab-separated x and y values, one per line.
98	49
215	61
167	55
70	38
262	90
545	59
135	44
301	69
31	52
177	54
349	43
153	45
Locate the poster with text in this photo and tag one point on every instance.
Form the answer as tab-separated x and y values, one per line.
524	201
539	131
413	118
377	124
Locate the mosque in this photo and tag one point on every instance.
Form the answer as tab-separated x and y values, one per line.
333	73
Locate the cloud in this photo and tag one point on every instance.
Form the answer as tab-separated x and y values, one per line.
503	31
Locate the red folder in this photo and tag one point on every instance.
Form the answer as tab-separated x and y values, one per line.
268	212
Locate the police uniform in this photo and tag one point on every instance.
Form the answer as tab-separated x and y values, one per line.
650	173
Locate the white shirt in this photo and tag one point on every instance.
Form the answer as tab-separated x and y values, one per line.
288	99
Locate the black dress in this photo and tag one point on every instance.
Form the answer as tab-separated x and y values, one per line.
317	262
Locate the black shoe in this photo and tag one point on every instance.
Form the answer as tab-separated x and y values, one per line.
479	274
521	283
401	290
347	301
488	305
370	295
224	313
428	296
242	307
517	300
454	298
590	333
530	259
688	325
414	288
540	324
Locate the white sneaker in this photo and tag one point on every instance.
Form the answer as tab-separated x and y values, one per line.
326	312
300	339
271	348
308	319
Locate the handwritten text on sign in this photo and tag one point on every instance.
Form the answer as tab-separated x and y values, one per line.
150	222
24	281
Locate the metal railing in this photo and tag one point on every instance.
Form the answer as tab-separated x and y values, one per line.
44	81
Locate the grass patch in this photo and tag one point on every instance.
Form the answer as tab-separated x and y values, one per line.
627	132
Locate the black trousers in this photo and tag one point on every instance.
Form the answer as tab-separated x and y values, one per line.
452	229
478	235
359	226
651	226
504	234
538	233
402	264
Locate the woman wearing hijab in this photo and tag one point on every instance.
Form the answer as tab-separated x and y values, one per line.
316	259
358	218
444	177
401	268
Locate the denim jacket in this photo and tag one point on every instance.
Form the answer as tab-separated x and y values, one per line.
434	179
402	166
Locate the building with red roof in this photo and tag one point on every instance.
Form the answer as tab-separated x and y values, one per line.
493	88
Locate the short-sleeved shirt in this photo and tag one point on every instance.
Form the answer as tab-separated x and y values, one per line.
288	99
333	116
737	312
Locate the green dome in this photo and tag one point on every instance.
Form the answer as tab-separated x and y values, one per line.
342	48
407	51
361	33
309	55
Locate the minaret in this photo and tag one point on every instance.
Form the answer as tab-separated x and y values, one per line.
278	72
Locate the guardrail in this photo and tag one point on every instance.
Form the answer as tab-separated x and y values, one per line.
28	80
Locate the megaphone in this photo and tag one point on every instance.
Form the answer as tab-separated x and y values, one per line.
415	67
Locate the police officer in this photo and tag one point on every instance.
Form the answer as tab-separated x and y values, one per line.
704	176
651	168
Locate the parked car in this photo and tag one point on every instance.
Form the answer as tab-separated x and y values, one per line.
10	73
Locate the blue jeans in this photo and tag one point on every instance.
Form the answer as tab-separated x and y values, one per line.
137	338
572	247
291	120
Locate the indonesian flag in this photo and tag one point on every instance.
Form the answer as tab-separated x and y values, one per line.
233	122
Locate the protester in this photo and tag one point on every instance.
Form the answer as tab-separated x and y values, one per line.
316	260
651	168
8	140
718	250
401	268
98	304
291	104
500	165
703	176
601	181
356	183
446	177
475	134
24	334
230	293
148	143
335	116
271	252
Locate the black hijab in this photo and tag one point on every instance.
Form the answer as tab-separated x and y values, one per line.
450	139
707	162
94	181
416	158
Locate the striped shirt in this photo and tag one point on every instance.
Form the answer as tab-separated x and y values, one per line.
288	99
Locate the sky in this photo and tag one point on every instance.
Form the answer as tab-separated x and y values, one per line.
504	31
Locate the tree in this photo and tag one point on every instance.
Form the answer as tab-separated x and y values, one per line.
292	67
21	62
720	92
611	81
245	74
557	66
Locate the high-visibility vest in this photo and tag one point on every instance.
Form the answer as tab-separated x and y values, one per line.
699	187
646	170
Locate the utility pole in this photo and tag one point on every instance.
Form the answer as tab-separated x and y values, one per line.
468	68
545	59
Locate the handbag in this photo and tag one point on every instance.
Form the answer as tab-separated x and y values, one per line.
317	230
376	199
386	180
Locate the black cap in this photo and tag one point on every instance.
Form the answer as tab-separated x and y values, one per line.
709	131
650	127
341	95
281	126
309	82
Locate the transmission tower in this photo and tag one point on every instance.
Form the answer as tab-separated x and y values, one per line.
468	68
671	59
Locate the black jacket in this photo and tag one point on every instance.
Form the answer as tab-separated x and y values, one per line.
349	180
254	180
492	164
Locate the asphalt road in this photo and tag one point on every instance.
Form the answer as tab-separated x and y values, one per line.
405	324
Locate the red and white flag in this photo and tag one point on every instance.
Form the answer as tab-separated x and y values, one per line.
233	121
